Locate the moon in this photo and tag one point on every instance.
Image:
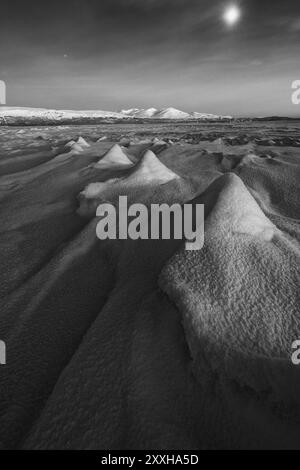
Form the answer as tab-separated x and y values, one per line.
232	15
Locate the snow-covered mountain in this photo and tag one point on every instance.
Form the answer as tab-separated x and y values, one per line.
15	115
140	113
172	113
169	113
196	115
129	112
7	112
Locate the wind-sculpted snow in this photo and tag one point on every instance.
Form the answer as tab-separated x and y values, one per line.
116	156
148	172
240	309
141	344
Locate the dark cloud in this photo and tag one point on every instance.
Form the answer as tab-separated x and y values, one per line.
113	53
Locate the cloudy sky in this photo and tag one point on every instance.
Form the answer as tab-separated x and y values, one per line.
113	54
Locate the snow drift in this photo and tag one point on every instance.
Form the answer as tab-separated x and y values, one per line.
115	157
150	171
139	344
240	308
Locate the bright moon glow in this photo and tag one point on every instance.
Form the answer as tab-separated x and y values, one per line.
232	15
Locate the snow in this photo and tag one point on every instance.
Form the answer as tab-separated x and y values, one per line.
82	142
140	113
169	113
115	156
172	113
7	112
130	112
144	343
147	113
54	114
151	169
196	115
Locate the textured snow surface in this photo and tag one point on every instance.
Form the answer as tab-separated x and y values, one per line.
116	156
141	344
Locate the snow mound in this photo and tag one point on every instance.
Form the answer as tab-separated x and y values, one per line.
82	142
230	162
115	156
70	144
148	172
151	169
74	146
238	212
238	297
158	145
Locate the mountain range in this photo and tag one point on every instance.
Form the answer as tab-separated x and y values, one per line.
168	113
15	115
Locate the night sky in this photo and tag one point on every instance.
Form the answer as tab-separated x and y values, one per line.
113	54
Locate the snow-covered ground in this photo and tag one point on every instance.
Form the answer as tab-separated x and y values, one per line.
126	344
